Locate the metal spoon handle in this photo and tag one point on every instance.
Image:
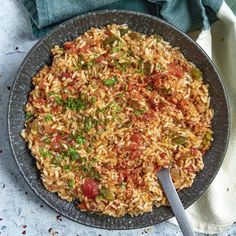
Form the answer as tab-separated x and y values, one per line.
175	203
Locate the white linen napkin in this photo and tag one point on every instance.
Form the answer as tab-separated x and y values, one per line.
216	209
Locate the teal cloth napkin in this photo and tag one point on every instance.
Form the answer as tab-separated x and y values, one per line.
184	14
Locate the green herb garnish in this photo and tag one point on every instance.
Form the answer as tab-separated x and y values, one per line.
75	104
51	93
120	66
110	82
86	65
58	100
47	140
80	140
94	174
45	153
73	154
67	167
57	160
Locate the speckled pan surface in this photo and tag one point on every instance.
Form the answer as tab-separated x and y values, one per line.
40	55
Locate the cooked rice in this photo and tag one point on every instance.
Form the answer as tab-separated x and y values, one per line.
114	107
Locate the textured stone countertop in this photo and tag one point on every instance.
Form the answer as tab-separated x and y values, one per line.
21	211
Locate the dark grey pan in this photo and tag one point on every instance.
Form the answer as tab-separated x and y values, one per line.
39	55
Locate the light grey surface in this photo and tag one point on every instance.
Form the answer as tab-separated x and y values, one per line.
18	204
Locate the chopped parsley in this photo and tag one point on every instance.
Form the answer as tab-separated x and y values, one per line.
75	104
45	153
80	140
57	160
58	100
88	64
67	167
51	93
110	82
72	153
120	66
119	47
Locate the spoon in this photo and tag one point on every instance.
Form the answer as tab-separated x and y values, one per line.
175	203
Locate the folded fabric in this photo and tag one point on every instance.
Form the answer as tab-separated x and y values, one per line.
185	15
216	209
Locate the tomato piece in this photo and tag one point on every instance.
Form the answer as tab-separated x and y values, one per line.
99	59
41	101
69	87
161	105
64	96
69	45
148	116
152	103
90	188
82	206
135	154
66	74
136	137
56	142
193	151
162	155
42	85
157	168
84	49
55	108
133	146
191	169
130	86
176	70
